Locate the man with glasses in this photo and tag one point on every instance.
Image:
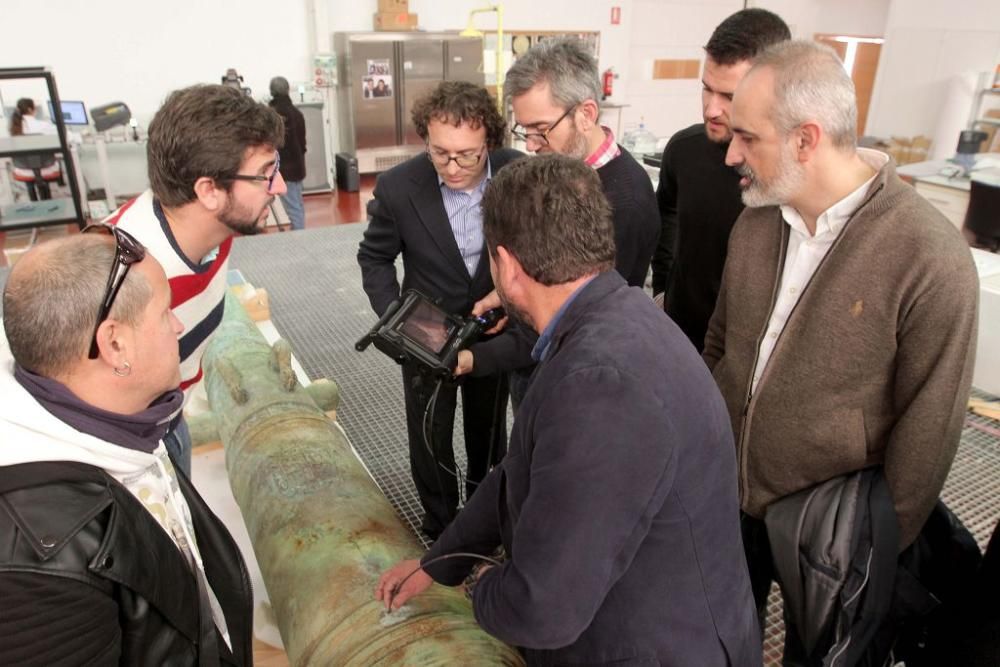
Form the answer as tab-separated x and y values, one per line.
428	210
107	555
214	169
554	89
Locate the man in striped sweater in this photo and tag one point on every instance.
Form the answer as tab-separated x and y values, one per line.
213	171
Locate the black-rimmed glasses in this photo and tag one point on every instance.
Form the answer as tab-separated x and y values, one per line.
268	179
128	251
543	136
465	161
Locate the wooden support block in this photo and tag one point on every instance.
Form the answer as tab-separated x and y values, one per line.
254	301
987	409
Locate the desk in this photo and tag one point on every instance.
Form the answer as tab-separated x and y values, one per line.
949	194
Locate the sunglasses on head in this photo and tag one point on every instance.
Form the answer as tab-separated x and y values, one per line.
128	251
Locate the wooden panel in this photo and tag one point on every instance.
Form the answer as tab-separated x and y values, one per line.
866	58
676	69
865	66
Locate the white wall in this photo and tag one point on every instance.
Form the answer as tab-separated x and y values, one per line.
109	50
929	45
679	29
106	50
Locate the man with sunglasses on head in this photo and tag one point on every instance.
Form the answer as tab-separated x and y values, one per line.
428	210
107	555
214	170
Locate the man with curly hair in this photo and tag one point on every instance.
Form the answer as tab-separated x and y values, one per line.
428	210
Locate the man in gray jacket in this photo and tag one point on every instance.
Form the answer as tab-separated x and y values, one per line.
844	333
617	499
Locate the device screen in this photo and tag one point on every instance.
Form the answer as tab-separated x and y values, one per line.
73	112
427	326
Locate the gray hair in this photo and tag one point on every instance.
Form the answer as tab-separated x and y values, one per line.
565	64
810	83
50	302
279	86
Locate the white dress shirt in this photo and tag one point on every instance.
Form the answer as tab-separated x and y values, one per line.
804	254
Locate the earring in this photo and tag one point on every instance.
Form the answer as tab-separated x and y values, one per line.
124	371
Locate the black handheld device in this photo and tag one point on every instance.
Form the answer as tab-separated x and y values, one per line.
415	330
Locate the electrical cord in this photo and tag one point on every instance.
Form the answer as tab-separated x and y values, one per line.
436	559
428	434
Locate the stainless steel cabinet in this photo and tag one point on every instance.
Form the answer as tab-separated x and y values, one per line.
381	75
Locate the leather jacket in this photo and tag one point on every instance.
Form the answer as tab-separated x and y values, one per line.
88	576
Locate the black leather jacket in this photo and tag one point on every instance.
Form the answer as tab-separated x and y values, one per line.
87	576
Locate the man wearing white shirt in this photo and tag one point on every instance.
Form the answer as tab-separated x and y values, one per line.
844	334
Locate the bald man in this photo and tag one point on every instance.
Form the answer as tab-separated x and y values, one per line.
102	543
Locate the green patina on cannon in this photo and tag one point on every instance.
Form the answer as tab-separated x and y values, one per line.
321	528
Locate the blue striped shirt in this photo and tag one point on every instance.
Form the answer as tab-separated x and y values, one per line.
465	215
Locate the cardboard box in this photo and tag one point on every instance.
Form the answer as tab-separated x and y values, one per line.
395	21
393	6
905	150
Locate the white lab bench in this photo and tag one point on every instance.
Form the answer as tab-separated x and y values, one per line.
986	376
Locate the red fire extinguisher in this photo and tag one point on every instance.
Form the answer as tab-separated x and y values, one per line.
607	81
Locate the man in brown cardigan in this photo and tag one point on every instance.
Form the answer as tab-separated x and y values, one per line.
844	333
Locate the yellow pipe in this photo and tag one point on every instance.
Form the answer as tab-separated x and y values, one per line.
471	31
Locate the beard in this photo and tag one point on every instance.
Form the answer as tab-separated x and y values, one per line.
778	191
240	218
577	146
512	310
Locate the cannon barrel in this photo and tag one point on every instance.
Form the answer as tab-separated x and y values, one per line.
321	529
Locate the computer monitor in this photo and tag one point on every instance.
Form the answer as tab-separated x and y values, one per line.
73	112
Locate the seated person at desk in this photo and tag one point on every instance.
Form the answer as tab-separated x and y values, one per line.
107	554
35	171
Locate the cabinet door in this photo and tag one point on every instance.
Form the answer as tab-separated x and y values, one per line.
374	87
423	69
951	202
464	60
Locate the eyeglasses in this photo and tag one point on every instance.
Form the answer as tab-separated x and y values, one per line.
269	179
128	251
465	161
543	136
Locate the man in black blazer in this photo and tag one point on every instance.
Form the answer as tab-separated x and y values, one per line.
428	209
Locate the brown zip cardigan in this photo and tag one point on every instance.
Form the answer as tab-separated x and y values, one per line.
874	364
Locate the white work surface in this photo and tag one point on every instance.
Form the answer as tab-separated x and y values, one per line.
986	376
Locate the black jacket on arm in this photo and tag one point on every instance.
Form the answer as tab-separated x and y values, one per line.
407	215
88	577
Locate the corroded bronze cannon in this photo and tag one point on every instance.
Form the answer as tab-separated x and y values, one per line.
322	530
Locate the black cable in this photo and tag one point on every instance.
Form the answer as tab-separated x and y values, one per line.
428	436
428	433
